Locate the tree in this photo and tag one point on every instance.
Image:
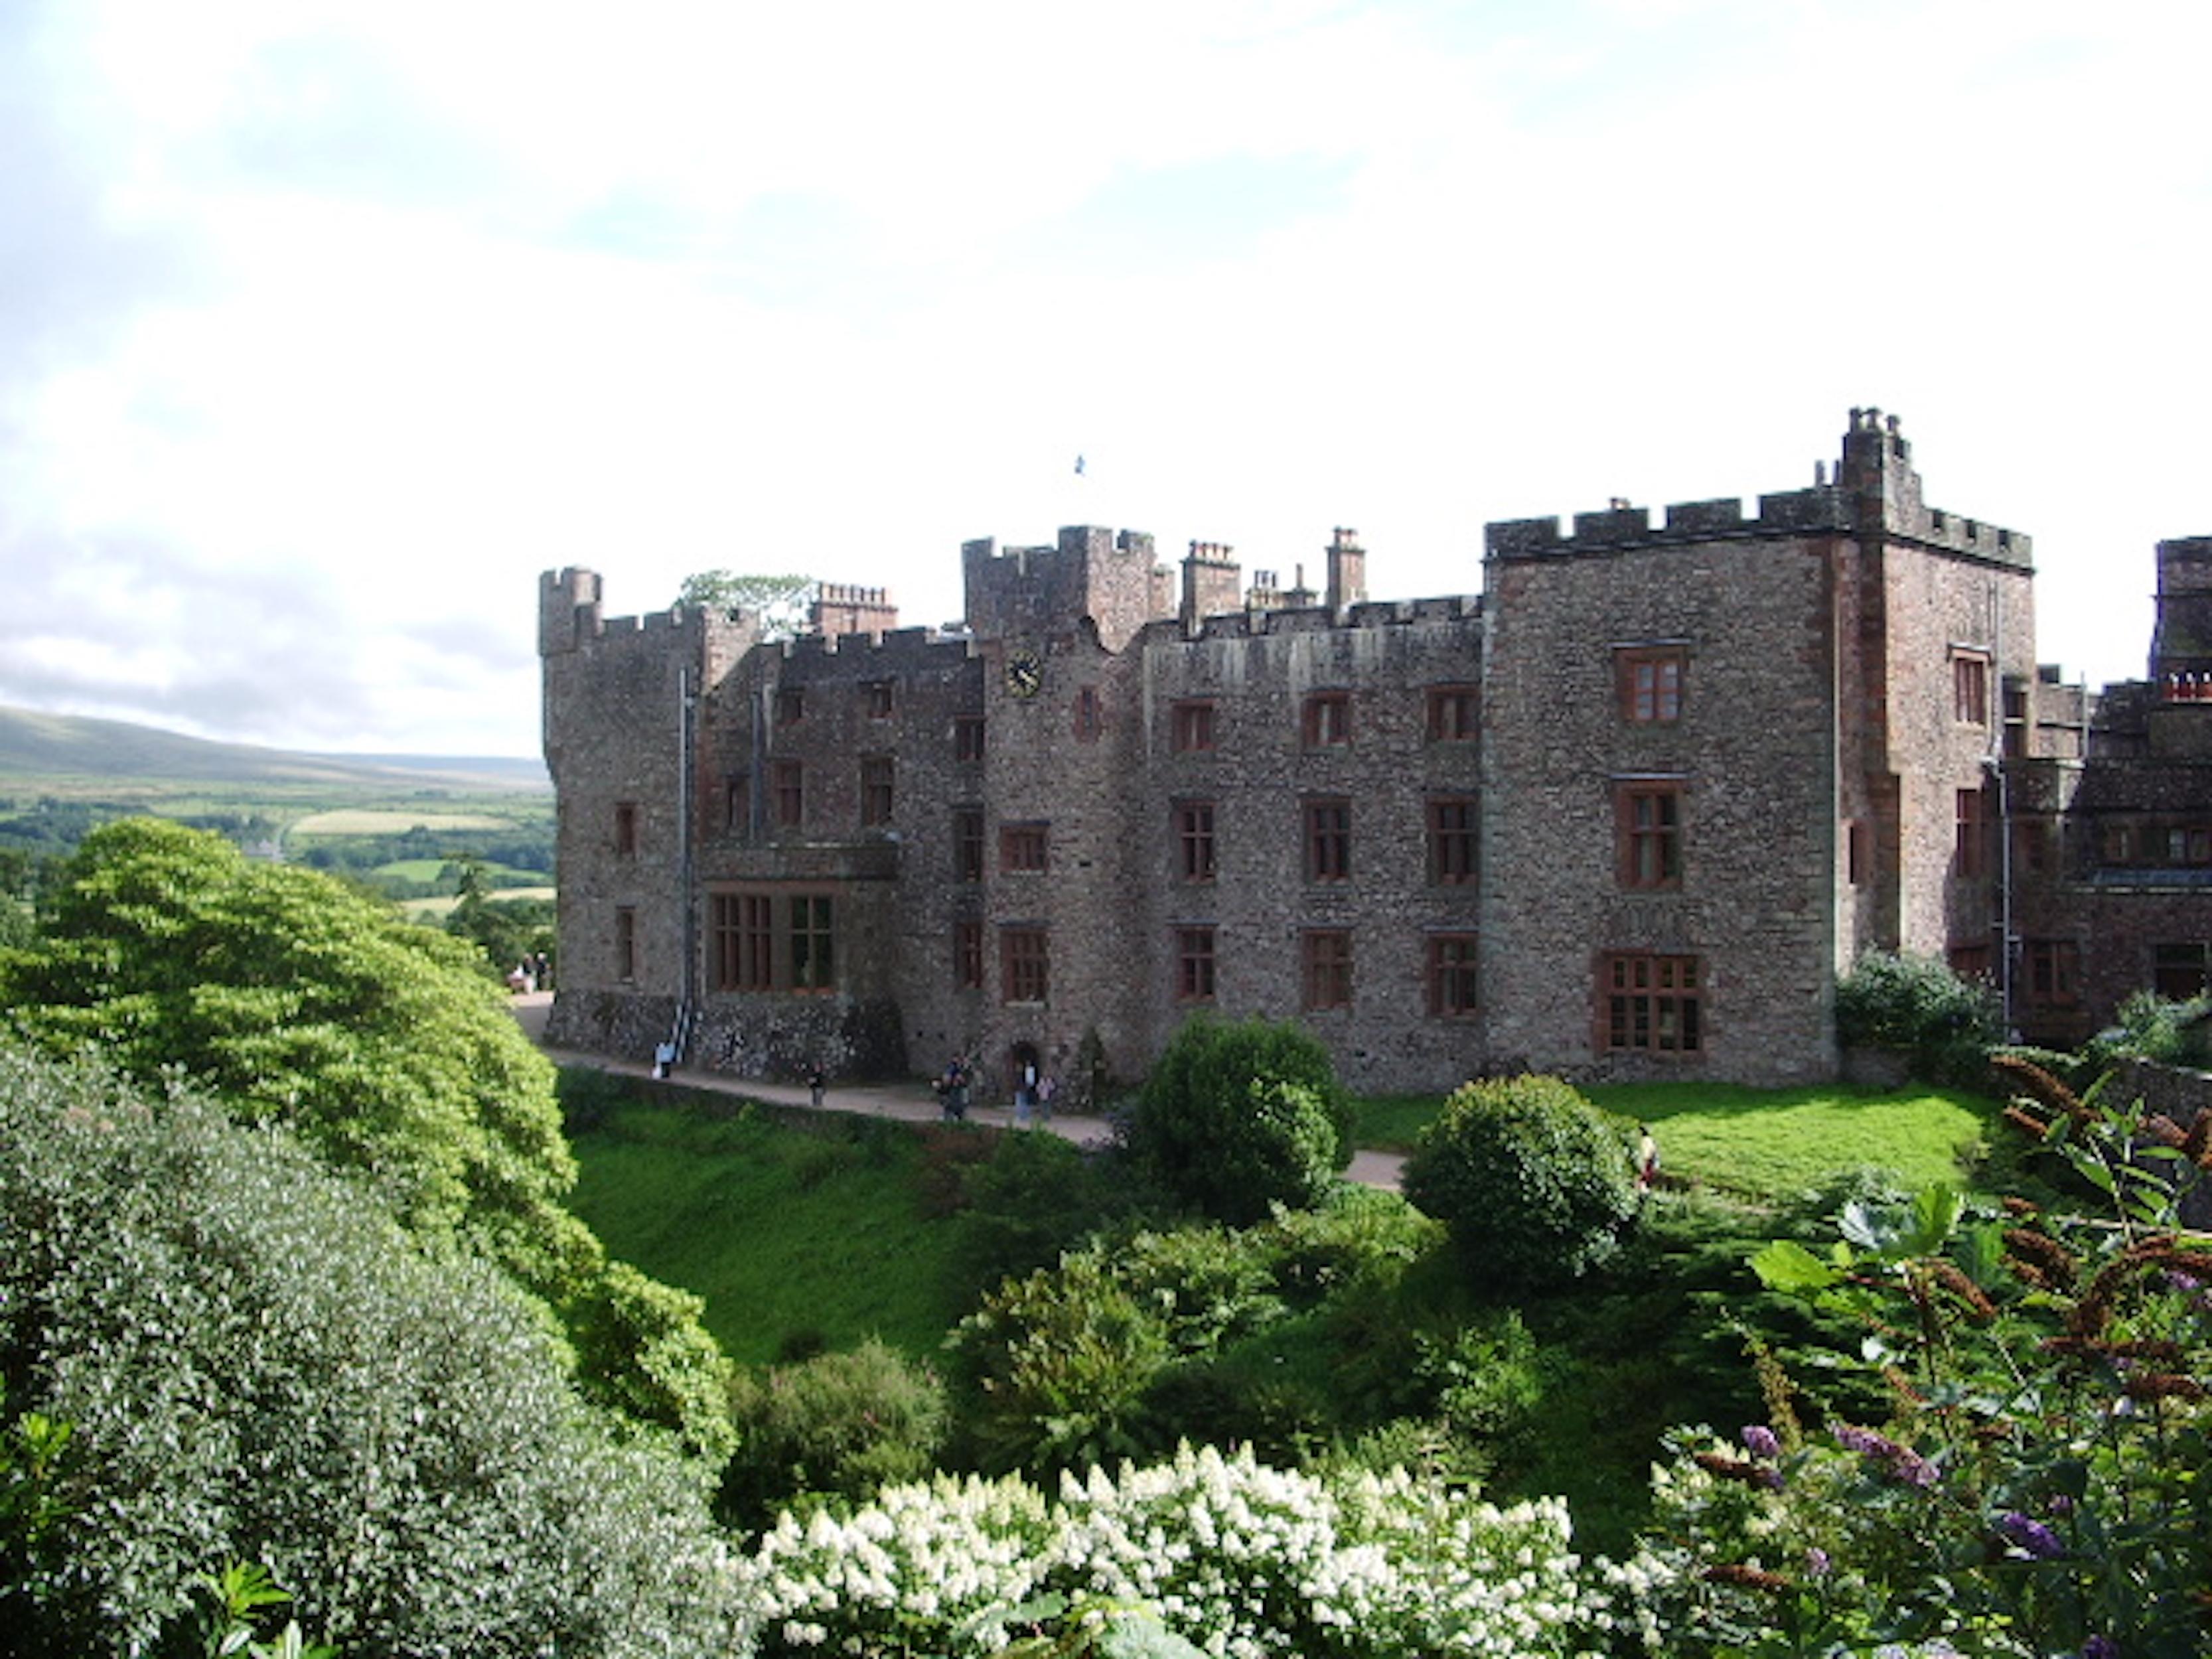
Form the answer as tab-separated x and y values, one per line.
381	1043
779	602
1533	1182
1237	1117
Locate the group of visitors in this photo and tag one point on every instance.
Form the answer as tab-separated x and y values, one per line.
534	972
956	1084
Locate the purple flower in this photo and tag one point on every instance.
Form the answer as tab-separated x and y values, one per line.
2100	1647
1900	1462
1759	1440
1816	1562
2031	1535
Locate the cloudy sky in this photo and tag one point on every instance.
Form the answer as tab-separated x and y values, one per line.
324	328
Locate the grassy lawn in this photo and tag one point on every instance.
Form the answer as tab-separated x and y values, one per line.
1761	1144
787	1234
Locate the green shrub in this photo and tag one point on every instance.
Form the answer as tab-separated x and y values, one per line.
1535	1183
380	1045
839	1425
1289	1335
1235	1118
1034	1196
1918	1007
258	1364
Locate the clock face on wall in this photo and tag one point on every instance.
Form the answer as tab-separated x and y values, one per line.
1024	672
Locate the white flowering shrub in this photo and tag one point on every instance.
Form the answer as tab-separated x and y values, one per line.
1242	1560
903	1574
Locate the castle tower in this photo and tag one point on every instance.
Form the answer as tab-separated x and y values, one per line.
1347	570
2181	638
1039	592
839	610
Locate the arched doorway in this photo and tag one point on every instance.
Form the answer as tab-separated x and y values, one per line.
1024	1068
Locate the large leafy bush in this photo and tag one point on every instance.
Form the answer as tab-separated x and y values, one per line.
1535	1182
257	1364
1237	1117
1282	1334
1917	1007
836	1425
297	1002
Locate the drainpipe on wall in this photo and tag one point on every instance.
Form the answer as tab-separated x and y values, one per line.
687	705
1994	762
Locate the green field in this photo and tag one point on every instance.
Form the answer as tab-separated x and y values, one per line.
392	821
794	1236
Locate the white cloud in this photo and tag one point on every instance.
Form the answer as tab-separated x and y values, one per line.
357	319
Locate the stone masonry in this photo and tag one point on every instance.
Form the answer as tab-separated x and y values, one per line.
1628	813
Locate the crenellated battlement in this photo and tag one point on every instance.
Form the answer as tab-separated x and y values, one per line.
1873	491
1037	592
1369	616
877	655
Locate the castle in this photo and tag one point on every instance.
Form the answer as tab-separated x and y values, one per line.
1628	813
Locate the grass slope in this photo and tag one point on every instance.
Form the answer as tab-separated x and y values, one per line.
795	1236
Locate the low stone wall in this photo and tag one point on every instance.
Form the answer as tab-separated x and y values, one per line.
771	1039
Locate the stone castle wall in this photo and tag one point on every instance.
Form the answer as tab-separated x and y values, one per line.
1817	764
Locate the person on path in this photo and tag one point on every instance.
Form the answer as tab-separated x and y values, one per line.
816	1083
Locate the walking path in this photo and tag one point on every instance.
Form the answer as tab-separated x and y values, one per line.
911	1102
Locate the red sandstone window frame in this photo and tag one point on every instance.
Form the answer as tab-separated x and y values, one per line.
1970	848
736	804
741	941
1648	820
1194	964
1025	849
968	955
1974	962
1327	831
2016	721
1649	681
625	828
1454	983
1651	1003
1325	969
1194	834
2189	846
878	794
1970	686
1190	726
2053	972
968	843
1858	849
790	705
1325	719
1025	963
1454	713
1454	840
2181	970
788	778
968	738
879	698
810	942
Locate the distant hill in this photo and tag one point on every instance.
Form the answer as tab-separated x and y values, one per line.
52	746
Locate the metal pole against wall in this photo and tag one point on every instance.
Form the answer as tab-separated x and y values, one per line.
687	705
